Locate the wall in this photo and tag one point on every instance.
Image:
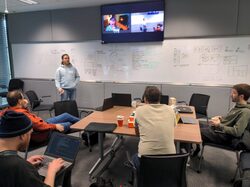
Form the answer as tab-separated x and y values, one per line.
193	18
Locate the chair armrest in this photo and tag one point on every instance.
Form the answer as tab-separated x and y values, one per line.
85	112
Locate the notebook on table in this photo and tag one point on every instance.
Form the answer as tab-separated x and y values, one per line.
107	104
60	146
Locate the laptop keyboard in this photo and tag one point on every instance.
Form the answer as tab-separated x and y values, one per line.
46	161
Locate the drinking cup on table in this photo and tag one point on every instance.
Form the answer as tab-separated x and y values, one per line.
131	118
172	101
120	120
134	103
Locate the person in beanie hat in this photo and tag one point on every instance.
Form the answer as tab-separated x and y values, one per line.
15	132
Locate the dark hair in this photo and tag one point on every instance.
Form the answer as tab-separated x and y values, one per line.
13	97
152	94
63	56
243	89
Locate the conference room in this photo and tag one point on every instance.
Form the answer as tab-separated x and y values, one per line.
204	49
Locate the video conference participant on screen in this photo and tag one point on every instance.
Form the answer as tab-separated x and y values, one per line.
112	25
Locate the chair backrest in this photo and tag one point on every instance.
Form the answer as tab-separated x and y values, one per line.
121	99
200	102
15	84
33	98
164	99
163	170
68	106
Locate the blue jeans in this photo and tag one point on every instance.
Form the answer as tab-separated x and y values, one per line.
64	119
68	94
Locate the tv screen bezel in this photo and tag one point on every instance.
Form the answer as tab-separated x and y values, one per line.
132	7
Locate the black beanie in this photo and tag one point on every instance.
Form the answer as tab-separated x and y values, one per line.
13	124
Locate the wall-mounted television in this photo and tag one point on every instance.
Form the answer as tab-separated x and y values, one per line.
133	22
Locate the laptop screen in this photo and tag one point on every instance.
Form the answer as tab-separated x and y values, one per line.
63	146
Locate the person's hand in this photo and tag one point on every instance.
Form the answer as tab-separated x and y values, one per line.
35	160
215	121
61	91
59	127
55	165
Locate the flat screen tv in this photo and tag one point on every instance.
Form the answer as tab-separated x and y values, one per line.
133	22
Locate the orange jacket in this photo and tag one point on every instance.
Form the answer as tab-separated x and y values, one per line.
38	123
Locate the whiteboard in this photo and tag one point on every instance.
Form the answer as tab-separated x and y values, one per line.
219	61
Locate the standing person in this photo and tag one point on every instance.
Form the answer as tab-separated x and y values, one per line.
67	78
15	132
154	125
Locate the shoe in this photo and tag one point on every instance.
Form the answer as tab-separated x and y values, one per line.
196	151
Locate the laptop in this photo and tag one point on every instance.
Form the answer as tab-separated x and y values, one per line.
107	104
185	119
60	146
184	109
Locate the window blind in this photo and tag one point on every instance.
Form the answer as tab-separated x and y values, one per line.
5	73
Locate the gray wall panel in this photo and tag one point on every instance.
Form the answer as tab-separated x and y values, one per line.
244	17
76	24
219	96
29	27
200	18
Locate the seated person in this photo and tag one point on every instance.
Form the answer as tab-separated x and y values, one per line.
233	124
15	132
112	25
154	125
18	103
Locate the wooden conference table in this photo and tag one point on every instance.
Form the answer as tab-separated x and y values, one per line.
186	133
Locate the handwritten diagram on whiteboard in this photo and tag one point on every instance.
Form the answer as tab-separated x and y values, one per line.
187	61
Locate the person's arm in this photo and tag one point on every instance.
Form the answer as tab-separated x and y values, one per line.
77	76
35	160
58	82
53	168
239	127
137	132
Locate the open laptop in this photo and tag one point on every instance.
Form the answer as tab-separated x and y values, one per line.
184	109
107	104
185	119
60	146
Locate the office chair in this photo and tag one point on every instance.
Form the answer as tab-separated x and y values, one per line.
121	99
200	102
237	145
163	170
164	99
70	106
35	102
14	84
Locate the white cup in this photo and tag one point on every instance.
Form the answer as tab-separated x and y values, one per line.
133	104
172	101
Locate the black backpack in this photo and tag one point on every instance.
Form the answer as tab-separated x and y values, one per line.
101	182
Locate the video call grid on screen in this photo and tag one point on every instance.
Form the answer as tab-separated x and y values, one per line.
132	22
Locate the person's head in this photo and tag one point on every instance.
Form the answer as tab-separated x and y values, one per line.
240	92
112	21
16	98
152	95
15	130
65	59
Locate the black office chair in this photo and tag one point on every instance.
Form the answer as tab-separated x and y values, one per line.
121	99
200	102
14	84
35	103
70	106
164	99
163	170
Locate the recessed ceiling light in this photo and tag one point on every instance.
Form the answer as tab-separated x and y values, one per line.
30	2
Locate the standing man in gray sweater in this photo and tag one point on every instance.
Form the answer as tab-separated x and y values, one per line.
67	77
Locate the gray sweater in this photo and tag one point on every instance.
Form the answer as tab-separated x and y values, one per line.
67	77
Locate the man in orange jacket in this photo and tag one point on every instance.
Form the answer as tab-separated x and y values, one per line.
18	103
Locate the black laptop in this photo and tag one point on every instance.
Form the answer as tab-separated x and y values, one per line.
184	109
107	104
60	146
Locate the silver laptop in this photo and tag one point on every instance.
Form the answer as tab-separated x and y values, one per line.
60	146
